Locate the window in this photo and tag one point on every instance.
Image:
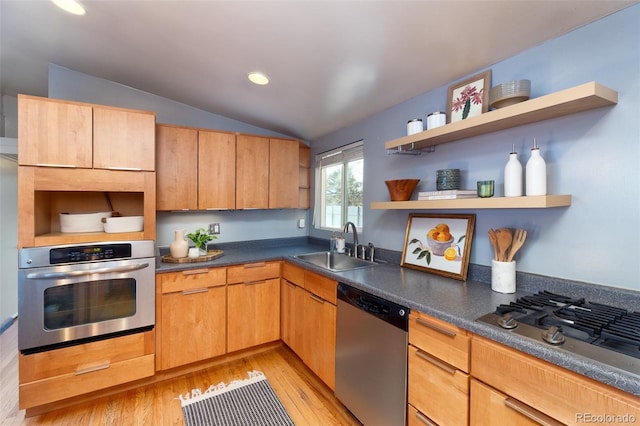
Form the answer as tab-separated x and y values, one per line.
339	187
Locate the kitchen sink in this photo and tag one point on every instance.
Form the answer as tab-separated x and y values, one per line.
333	261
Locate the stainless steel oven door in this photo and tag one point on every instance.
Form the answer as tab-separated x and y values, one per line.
58	304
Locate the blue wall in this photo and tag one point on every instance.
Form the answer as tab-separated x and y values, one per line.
594	156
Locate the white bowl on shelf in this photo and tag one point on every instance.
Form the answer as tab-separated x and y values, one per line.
82	222
114	225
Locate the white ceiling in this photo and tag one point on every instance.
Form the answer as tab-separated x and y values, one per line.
331	63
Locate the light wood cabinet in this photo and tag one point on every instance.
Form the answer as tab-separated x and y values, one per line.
58	133
309	319
54	133
252	172
284	173
191	316
438	382
45	192
490	407
176	168
553	391
216	170
58	374
196	169
123	139
304	170
319	331
253	305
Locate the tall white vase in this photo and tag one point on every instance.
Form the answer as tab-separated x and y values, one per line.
179	247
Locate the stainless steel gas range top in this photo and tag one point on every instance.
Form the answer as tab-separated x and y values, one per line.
599	332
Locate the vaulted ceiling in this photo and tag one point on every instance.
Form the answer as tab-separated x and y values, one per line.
331	63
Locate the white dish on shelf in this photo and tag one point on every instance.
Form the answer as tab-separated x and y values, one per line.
114	225
82	222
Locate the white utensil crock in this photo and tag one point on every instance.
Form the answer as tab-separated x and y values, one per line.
503	276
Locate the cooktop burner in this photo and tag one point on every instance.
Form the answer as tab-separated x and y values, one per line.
605	333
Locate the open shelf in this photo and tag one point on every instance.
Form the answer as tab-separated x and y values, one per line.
531	202
570	101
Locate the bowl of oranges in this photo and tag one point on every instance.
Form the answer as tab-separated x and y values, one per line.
439	239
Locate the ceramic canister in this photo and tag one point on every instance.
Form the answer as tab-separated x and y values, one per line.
414	126
436	119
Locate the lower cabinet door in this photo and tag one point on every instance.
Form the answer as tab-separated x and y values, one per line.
292	315
193	326
438	390
253	311
490	407
319	344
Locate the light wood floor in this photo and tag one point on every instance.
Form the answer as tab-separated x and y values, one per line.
307	400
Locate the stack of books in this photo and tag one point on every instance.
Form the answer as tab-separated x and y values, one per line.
449	194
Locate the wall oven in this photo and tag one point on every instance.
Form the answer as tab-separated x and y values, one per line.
73	294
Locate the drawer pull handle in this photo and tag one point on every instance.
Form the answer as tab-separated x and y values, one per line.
91	369
131	169
255	282
255	265
195	291
316	298
195	271
69	166
440	364
424	419
435	327
531	413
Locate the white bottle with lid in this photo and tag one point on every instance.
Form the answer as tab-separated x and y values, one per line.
536	173
513	175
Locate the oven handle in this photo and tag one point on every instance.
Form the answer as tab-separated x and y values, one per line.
71	274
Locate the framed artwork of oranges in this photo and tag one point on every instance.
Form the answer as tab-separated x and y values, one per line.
439	243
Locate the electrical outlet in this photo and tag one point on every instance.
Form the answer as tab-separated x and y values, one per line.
214	228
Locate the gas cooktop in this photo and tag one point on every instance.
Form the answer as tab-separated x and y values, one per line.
603	333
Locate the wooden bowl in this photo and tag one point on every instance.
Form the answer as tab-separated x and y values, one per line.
401	189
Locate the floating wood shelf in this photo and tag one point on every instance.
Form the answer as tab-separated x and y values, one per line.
565	102
532	202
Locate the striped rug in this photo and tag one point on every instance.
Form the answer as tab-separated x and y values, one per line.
251	401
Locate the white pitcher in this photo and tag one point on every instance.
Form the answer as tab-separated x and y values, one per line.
179	247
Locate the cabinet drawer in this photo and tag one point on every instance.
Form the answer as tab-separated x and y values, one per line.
555	391
253	272
293	274
441	339
192	279
62	373
416	418
490	407
321	286
437	389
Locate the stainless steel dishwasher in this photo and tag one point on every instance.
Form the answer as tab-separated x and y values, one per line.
371	357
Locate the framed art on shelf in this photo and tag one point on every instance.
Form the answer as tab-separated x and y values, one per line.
468	98
439	243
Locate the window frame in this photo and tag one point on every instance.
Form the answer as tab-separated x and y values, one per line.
342	155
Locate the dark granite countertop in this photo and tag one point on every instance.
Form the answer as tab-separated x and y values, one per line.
454	301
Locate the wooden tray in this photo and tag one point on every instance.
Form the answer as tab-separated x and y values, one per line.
211	254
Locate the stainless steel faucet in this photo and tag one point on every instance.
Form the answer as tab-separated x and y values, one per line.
355	237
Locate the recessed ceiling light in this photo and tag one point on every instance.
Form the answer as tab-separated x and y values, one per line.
258	78
71	6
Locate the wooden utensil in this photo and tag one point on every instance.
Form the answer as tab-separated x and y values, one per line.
518	240
504	242
493	239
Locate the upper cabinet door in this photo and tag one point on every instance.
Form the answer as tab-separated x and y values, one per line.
176	168
216	170
252	172
283	173
53	133
123	139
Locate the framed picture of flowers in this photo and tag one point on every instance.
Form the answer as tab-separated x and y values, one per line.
469	98
439	243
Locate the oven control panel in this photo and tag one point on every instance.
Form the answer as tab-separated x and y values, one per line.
89	253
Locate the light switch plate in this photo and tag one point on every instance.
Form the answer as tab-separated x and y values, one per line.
300	223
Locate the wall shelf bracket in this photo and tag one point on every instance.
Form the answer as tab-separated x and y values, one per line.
412	150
